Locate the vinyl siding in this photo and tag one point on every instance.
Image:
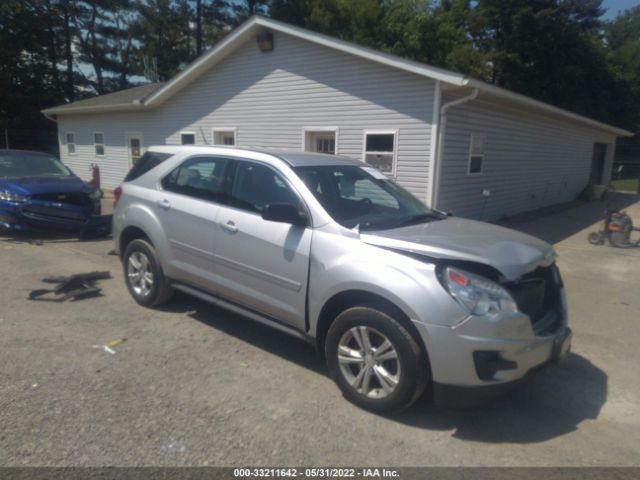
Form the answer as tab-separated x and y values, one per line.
270	97
531	160
114	165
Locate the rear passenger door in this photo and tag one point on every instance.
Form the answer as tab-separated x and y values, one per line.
262	265
188	207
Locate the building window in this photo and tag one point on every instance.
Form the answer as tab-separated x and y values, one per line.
188	138
98	143
380	150
71	143
320	140
476	154
224	136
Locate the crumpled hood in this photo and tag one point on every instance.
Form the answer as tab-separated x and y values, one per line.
510	252
44	184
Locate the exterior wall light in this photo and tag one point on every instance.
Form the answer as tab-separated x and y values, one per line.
265	41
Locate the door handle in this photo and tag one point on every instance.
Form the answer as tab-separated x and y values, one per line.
230	227
164	204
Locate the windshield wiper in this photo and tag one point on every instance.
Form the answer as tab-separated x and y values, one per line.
420	218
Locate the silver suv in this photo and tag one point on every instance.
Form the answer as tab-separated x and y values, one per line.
400	298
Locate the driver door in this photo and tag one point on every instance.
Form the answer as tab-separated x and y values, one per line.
260	264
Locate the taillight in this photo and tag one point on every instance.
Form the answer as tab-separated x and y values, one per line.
117	193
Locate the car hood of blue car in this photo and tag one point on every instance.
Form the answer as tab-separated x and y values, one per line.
44	184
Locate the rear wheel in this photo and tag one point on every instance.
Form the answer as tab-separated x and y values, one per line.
142	272
374	360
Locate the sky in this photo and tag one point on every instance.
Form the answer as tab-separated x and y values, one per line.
614	6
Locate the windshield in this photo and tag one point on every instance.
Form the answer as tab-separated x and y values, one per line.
31	165
363	197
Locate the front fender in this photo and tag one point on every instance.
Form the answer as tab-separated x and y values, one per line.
349	264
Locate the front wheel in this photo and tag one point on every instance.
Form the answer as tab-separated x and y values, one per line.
374	360
142	272
596	238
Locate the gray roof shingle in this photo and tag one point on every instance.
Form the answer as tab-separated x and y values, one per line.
123	97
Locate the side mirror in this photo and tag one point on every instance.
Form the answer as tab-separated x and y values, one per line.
285	213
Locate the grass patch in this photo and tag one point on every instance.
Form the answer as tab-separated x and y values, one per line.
626	185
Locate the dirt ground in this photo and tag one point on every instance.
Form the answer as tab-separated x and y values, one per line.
195	385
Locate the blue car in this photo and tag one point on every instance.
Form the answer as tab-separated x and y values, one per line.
37	191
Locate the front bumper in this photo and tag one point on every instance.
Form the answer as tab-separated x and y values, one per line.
481	357
456	396
39	216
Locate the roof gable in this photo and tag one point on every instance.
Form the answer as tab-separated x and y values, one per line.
155	94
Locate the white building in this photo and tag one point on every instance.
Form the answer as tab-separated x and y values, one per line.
457	143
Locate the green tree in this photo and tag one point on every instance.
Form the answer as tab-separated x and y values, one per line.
622	37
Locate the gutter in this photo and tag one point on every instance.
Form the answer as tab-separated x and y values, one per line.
441	126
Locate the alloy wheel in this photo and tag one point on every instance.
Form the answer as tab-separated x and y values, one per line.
369	362
139	273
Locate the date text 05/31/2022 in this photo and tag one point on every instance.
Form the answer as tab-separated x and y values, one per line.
315	473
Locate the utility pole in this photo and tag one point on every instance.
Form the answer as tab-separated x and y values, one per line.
6	138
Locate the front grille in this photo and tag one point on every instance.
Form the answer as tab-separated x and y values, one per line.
538	294
52	214
79	199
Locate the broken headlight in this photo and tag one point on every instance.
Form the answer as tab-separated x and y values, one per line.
479	295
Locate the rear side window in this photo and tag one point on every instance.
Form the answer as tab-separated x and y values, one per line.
199	177
148	161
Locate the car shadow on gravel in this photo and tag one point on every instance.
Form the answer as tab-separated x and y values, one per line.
548	404
261	336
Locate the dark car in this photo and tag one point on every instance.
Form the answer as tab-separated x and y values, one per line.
37	191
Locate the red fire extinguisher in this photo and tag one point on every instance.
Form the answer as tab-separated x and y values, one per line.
95	175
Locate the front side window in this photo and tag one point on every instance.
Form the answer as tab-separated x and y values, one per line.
380	151
199	177
224	137
256	186
188	138
363	197
98	143
71	143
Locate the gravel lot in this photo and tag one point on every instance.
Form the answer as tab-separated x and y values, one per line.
195	385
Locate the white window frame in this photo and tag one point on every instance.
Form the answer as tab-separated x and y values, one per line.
66	142
128	136
95	145
187	132
307	131
394	163
215	130
483	154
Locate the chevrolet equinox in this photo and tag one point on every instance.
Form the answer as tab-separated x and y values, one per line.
399	298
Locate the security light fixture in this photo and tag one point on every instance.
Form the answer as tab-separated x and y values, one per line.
265	41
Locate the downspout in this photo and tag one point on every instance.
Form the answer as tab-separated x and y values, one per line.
442	124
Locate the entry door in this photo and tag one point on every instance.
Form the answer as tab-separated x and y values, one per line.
597	163
262	264
134	147
188	206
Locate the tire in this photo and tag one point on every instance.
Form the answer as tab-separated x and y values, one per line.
595	238
405	376
154	289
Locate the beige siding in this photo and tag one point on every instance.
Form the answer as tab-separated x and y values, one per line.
531	160
270	98
115	126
